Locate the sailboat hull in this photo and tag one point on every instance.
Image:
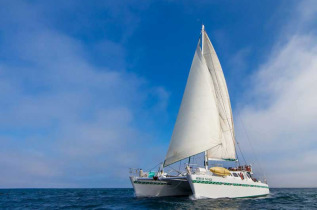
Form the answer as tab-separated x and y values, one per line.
170	186
206	186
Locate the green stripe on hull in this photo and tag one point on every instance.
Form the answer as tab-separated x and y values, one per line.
154	183
226	183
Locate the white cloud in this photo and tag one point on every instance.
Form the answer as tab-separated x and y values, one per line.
65	122
282	114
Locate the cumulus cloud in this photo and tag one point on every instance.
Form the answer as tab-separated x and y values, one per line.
281	116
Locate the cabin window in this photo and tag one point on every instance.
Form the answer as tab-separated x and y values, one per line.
234	174
249	176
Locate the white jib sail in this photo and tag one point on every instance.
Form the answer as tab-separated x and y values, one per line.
225	150
197	127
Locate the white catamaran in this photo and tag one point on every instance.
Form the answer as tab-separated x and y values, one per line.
204	125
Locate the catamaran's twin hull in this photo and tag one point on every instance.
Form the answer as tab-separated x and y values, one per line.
200	186
220	187
148	187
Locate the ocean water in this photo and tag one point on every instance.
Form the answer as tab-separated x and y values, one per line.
124	199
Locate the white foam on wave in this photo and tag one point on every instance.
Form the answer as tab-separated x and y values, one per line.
195	197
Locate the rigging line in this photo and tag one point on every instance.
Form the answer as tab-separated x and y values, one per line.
155	166
241	153
237	159
252	148
175	169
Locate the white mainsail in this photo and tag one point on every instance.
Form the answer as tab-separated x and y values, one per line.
204	122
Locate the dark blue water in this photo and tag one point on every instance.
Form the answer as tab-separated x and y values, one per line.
124	199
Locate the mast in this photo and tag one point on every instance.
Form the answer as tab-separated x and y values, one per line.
202	45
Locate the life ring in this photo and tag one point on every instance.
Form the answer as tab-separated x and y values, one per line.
241	176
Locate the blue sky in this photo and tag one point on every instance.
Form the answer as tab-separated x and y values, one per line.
91	88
